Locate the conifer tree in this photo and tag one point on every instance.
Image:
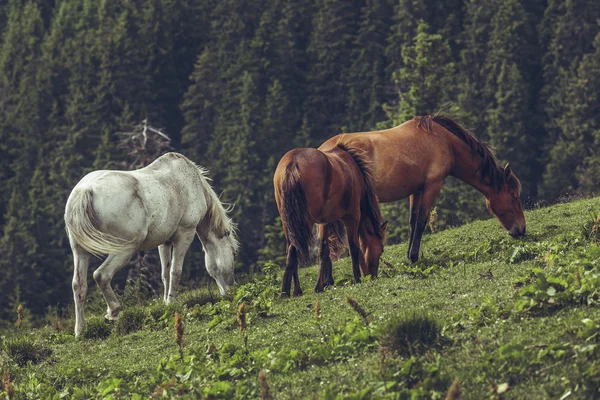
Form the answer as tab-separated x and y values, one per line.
575	164
335	24
568	28
474	44
367	76
506	92
423	80
23	112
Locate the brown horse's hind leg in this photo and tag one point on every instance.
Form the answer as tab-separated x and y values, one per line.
297	289
291	272
325	268
429	195
415	205
353	243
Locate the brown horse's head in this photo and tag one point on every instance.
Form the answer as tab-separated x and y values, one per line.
505	204
371	243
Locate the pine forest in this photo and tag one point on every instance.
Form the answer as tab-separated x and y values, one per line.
235	84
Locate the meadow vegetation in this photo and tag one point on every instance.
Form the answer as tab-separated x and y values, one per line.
482	315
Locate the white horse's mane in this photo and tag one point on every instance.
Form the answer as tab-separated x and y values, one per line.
217	213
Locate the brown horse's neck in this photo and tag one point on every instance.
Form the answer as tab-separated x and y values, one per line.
467	168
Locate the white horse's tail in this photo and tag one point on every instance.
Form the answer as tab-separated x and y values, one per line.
82	227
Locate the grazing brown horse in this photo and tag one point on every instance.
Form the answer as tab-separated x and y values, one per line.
323	187
413	159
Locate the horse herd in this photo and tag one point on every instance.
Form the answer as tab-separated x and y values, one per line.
338	186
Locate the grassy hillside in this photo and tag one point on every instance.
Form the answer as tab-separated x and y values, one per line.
502	318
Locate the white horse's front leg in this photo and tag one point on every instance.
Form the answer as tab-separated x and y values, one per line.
164	252
181	245
104	274
81	261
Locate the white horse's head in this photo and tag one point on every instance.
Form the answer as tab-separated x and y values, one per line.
220	259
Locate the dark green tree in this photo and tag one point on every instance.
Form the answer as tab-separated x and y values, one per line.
335	24
575	164
367	75
507	90
568	30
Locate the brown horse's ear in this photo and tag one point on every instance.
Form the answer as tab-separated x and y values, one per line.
507	172
384	225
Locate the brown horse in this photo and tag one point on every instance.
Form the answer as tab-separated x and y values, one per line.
324	187
413	159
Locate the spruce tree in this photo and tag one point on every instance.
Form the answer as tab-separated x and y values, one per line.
424	79
575	164
335	24
507	92
568	29
367	76
23	112
474	43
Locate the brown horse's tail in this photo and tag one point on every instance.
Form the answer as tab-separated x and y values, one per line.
294	212
369	204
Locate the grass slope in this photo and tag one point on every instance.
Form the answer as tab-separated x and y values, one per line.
511	319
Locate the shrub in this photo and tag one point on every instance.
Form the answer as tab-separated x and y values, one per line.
130	320
410	334
191	298
97	328
23	350
159	314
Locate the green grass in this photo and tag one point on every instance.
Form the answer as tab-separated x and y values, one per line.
506	318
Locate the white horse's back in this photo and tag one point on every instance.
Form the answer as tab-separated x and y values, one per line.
142	208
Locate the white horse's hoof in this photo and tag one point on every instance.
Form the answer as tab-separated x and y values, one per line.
112	315
171	300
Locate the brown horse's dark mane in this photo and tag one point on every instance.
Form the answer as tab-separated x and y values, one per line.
491	172
370	203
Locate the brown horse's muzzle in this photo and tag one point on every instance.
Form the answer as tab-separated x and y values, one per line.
517	231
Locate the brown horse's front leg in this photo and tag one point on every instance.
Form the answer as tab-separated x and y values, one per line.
325	267
291	272
415	205
429	195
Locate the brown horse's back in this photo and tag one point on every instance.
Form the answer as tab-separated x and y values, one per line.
405	151
326	178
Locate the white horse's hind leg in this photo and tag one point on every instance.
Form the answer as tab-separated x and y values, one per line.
164	251
81	261
104	274
181	245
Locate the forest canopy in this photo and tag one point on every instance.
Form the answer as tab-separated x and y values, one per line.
237	83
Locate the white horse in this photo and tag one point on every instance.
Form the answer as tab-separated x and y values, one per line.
162	205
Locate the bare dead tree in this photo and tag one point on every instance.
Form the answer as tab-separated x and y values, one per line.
143	144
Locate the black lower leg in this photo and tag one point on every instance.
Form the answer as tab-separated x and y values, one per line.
416	243
325	267
297	289
355	253
291	268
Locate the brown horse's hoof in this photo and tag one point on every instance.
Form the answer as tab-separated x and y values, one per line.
284	295
298	293
414	258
